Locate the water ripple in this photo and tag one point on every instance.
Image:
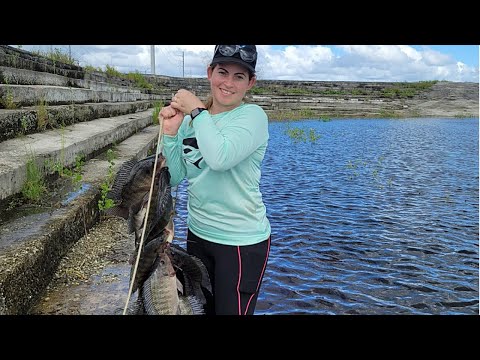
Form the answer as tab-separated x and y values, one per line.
375	217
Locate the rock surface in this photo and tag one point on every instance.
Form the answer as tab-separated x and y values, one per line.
93	279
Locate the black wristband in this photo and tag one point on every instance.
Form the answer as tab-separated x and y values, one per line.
195	112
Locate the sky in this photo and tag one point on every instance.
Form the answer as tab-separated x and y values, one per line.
389	63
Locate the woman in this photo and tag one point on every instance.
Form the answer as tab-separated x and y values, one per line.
219	147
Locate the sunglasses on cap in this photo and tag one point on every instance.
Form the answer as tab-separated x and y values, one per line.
247	53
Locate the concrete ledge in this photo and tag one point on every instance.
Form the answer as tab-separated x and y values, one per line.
63	146
14	76
25	121
29	258
30	95
18	58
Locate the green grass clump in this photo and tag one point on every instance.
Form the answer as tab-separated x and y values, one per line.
57	55
34	186
104	202
156	110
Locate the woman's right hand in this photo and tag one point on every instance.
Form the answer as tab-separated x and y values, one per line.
172	119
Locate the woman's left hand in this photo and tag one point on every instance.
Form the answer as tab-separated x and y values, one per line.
185	101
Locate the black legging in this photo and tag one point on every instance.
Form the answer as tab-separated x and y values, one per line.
236	273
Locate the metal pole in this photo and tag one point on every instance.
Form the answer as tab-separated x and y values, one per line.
152	58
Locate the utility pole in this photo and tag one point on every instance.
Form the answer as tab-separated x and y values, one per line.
152	58
183	53
70	52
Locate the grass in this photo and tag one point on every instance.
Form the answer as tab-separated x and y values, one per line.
7	100
390	114
57	55
24	123
369	170
139	80
42	115
400	90
295	114
300	135
406	89
104	202
74	172
465	116
156	110
136	77
34	186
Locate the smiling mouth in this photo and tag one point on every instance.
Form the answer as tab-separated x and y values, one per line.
225	92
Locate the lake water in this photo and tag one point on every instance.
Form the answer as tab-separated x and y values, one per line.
377	216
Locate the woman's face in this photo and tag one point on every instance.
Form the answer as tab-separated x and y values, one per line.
229	82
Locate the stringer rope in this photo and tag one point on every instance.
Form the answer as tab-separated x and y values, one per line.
159	143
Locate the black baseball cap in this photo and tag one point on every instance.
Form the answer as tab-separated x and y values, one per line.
245	55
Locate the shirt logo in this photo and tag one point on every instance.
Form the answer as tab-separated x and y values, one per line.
189	145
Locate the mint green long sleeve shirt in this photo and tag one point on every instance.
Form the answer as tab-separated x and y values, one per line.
221	156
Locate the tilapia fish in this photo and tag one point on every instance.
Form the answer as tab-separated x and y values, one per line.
131	183
162	292
130	193
169	280
147	259
161	206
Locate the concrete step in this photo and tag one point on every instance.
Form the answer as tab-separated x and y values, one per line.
32	246
30	95
21	59
63	145
34	119
14	76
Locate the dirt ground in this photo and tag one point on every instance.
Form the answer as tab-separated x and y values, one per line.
93	279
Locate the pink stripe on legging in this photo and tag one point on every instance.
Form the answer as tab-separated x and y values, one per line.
240	276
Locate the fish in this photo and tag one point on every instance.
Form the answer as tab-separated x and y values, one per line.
130	193
146	262
161	207
131	183
194	274
167	279
160	293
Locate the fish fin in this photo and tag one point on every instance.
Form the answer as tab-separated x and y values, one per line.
170	232
179	286
196	305
192	266
121	178
136	220
136	308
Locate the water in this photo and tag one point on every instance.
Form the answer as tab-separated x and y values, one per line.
374	217
76	193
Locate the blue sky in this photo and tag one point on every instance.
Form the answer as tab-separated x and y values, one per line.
294	62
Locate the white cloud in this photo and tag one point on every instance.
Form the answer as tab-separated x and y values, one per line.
294	62
435	58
